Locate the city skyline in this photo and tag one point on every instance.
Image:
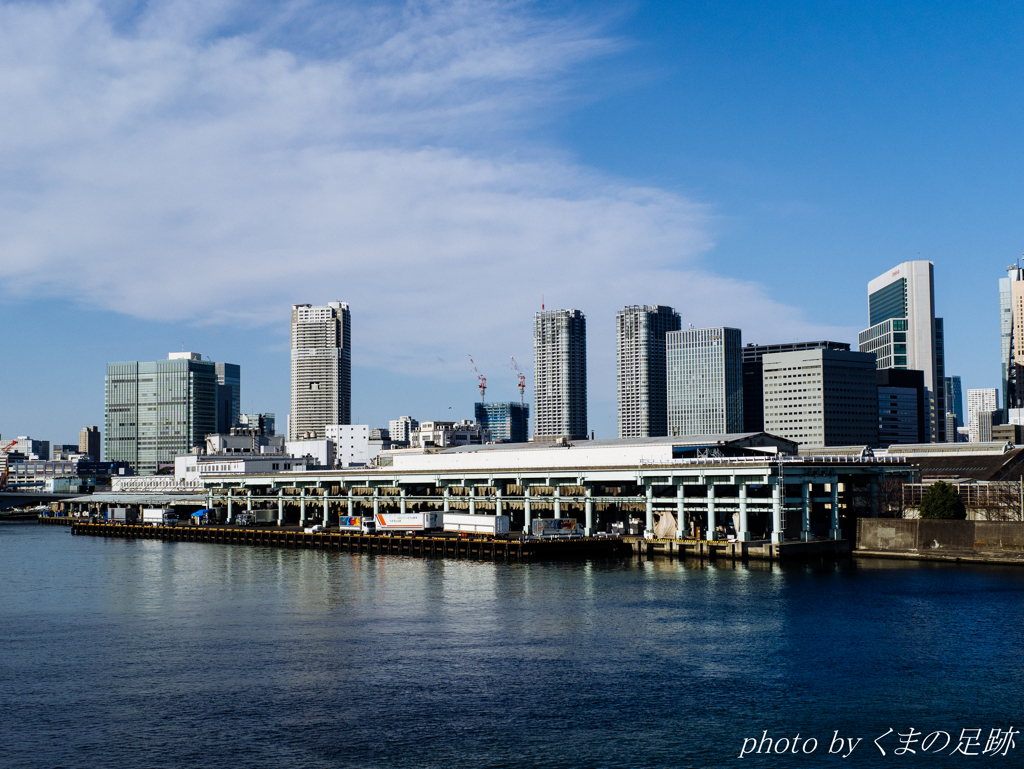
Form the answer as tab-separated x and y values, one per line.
651	193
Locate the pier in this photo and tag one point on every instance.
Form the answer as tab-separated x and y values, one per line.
475	548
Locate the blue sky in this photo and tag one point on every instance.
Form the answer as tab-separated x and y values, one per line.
178	173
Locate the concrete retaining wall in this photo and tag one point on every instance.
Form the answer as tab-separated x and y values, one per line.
940	538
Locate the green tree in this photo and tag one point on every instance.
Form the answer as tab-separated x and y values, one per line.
941	502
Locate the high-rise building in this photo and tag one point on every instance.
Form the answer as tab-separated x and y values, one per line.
1011	328
821	397
955	403
643	398
901	407
980	401
158	410
705	381
229	395
753	382
89	442
506	422
560	374
321	369
905	334
401	429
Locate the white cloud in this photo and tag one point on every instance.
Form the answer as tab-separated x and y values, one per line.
166	167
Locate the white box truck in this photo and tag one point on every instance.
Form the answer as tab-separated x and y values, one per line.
476	524
158	516
356	523
408	521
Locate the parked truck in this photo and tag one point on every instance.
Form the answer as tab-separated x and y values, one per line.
408	521
553	527
158	516
476	524
126	515
357	523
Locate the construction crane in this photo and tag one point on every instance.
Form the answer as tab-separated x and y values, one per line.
481	377
4	451
522	380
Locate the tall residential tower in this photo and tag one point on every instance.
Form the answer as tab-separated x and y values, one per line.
643	398
560	374
321	369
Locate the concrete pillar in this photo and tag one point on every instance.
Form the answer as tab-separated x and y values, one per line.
588	507
302	506
327	507
351	504
498	491
680	512
835	533
712	523
280	507
649	523
248	500
472	500
777	497
447	499
401	501
376	501
558	500
230	511
806	525
744	533
527	518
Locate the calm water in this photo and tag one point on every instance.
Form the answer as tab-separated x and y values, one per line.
120	653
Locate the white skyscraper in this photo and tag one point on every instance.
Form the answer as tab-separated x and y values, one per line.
705	381
904	333
643	399
982	401
321	369
560	373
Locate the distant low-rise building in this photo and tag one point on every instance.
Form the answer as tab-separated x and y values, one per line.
33	473
32	448
445	434
400	430
319	450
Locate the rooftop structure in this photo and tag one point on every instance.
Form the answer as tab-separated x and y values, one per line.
507	422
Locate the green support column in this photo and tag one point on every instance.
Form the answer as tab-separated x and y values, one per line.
712	523
805	534
744	532
835	533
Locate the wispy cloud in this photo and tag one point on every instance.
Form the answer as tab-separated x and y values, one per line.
206	161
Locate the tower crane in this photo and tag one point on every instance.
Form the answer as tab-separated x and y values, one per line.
522	380
481	377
